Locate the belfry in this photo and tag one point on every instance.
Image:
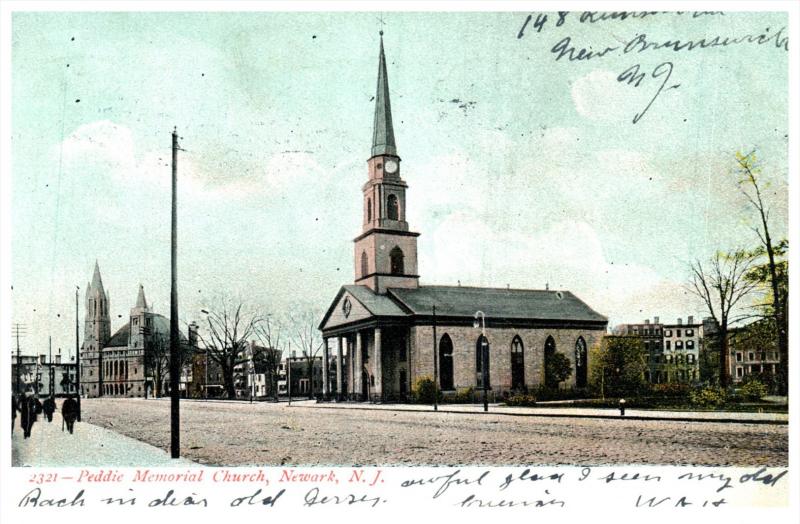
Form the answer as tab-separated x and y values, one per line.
382	325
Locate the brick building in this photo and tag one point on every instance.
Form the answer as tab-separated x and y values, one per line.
673	350
381	328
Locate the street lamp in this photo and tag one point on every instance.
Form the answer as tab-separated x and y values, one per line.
484	355
205	382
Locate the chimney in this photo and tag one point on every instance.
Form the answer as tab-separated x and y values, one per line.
690	320
42	359
58	359
655	320
680	321
647	322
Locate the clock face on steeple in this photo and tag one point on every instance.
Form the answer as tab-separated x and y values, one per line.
391	167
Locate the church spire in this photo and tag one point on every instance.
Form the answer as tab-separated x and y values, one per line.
140	300
383	132
97	281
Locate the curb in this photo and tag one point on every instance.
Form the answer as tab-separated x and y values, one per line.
564	415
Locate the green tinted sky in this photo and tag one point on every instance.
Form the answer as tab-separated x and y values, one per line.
523	170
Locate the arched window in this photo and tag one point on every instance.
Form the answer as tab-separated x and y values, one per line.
369	210
392	208
116	368
446	362
396	260
517	364
581	363
549	351
364	267
481	346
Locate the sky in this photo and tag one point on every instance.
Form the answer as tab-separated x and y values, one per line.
525	168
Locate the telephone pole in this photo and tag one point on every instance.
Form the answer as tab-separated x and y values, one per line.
17	330
78	358
174	339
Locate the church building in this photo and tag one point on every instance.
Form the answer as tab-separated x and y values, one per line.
132	361
387	330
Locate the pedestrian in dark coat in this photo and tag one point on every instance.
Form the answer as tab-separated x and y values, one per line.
69	411
49	406
27	414
14	409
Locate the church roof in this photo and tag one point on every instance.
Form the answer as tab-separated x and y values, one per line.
459	303
378	305
160	326
383	131
462	301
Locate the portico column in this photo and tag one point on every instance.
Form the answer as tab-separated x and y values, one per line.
357	368
376	365
325	385
338	368
350	366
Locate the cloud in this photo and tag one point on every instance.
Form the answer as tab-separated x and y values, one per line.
599	96
567	255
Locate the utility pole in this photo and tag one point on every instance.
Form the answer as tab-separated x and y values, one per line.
174	339
17	330
435	365
78	359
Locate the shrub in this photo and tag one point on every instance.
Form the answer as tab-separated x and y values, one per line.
754	390
709	396
425	389
525	400
670	390
464	396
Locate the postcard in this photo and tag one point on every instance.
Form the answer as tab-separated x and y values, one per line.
399	260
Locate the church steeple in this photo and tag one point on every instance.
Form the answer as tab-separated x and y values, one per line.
382	129
386	251
140	300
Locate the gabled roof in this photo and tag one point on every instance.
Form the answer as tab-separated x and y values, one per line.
461	301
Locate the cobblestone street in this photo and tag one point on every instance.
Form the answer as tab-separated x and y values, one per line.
236	433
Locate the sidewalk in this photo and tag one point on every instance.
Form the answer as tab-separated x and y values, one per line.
89	445
602	413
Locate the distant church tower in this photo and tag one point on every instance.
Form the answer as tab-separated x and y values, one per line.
140	322
97	324
386	251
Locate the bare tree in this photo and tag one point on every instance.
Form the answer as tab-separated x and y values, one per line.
156	358
229	330
751	186
721	284
268	357
307	336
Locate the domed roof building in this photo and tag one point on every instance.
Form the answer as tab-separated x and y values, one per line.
134	361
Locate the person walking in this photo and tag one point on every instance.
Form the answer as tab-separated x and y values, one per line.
27	415
69	411
49	407
14	409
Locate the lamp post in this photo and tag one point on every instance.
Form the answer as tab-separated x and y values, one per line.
435	365
484	356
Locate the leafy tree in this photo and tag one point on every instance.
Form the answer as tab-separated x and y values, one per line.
558	368
617	366
774	271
